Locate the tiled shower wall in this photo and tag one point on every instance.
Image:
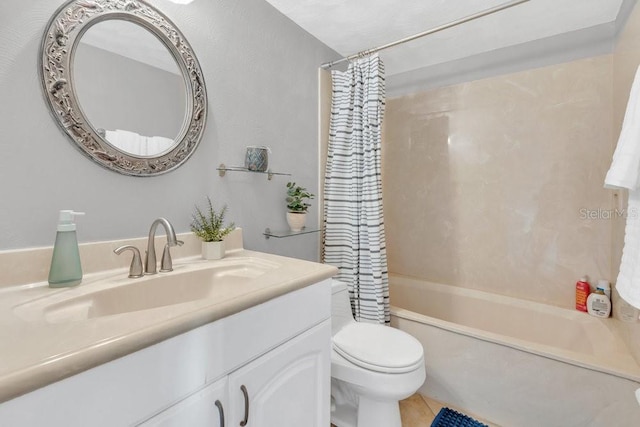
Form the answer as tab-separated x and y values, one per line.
496	184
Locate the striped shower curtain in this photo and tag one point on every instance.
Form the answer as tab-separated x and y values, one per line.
353	237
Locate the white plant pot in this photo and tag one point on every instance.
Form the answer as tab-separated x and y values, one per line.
296	220
213	250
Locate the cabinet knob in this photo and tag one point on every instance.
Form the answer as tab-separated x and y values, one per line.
221	412
246	406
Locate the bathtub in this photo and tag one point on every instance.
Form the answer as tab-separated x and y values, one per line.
518	363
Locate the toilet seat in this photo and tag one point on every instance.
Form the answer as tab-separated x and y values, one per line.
378	348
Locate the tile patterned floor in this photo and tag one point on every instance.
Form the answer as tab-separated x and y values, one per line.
420	411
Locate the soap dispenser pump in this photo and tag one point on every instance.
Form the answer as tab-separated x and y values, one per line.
65	263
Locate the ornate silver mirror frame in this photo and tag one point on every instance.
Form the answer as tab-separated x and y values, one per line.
61	37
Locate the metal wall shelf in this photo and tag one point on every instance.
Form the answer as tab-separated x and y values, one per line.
222	170
288	233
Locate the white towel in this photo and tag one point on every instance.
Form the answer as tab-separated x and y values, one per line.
628	282
127	141
624	173
625	168
157	145
112	137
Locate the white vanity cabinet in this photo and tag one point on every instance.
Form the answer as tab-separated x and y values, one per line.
278	351
204	408
287	386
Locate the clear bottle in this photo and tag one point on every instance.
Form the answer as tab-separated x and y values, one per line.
66	269
626	312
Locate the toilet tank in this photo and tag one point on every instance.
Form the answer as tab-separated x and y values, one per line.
340	306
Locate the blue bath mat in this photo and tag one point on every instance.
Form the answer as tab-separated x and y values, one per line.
450	418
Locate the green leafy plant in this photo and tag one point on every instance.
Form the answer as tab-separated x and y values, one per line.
209	225
296	196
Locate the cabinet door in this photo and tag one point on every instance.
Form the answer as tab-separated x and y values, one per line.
288	386
206	408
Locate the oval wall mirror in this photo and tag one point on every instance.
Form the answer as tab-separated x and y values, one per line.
123	83
119	63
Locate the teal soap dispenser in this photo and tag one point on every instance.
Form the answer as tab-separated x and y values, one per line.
65	263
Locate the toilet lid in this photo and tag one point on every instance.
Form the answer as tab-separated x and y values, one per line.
378	348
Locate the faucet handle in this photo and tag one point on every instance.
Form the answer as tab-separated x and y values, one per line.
135	270
166	264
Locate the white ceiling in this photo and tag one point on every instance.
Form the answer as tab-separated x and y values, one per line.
350	26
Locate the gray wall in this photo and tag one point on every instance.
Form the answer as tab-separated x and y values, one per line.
260	72
116	92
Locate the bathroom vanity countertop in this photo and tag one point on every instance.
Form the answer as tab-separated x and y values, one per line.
35	352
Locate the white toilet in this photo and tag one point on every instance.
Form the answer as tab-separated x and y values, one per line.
372	368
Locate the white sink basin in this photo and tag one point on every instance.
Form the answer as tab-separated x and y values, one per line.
164	289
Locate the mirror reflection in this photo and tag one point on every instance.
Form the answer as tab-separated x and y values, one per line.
130	88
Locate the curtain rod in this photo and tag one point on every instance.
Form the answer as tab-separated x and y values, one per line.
426	33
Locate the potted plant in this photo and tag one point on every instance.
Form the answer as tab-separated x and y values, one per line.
209	227
296	206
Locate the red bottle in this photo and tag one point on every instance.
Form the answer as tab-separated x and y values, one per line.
582	293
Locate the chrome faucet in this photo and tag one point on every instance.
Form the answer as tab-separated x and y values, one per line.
150	264
135	270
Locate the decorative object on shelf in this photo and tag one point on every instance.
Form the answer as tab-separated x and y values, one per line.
223	169
296	205
257	158
209	227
